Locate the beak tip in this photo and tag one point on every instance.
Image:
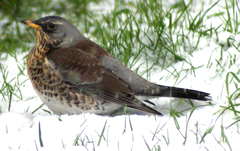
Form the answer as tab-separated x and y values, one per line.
23	21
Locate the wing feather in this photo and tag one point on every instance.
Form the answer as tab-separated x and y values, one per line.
84	73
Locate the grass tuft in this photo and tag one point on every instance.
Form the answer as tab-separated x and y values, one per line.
102	134
143	35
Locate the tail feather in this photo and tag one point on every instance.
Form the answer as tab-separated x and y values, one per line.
166	91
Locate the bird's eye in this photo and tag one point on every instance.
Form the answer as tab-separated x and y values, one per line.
51	26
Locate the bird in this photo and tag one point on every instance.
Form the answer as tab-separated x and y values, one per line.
73	75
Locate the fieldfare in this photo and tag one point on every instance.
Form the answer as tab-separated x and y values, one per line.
72	74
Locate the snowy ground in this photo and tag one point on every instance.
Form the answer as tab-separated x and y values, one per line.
21	130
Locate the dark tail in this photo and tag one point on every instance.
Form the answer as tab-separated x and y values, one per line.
166	91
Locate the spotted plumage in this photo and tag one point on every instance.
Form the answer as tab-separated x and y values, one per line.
72	74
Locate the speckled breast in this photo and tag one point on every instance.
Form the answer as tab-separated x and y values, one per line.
53	91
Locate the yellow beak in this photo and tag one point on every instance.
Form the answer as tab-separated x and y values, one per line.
31	24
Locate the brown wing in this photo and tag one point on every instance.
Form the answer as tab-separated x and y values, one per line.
76	66
85	74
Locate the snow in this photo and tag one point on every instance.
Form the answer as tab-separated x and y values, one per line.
20	130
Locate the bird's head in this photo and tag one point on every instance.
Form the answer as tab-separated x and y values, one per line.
55	31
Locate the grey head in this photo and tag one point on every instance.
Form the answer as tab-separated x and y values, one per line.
56	31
